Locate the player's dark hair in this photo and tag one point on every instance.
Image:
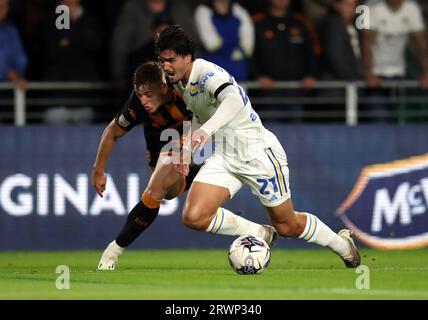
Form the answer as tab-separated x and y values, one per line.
174	38
149	73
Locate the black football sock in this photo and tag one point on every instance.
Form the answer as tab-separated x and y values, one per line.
139	219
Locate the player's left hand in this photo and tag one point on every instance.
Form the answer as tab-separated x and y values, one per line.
99	181
199	138
190	144
183	159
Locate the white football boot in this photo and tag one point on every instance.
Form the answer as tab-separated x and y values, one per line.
270	234
109	258
352	260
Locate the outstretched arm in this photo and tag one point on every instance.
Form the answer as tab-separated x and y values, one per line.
108	140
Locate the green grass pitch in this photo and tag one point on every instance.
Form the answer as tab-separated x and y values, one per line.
205	274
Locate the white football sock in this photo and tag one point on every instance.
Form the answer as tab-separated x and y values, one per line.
317	232
227	223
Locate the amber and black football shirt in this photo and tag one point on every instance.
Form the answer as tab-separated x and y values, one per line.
170	115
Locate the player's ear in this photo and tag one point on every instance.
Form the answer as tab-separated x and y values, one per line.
188	58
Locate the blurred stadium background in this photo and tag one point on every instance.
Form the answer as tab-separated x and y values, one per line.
309	76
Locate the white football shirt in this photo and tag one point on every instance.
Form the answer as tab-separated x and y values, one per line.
392	29
244	136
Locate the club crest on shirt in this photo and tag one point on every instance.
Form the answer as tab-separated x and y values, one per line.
194	89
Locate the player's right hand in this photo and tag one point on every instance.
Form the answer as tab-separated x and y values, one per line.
99	181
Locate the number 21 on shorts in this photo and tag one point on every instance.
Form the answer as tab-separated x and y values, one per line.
267	182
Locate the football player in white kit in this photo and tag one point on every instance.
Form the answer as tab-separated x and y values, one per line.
245	153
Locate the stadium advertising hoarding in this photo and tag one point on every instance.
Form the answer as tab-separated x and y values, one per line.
47	200
396	195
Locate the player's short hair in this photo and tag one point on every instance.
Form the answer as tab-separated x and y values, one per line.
174	38
148	73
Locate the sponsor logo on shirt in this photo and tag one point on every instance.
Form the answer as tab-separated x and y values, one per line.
204	80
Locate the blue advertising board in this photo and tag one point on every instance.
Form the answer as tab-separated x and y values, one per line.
347	176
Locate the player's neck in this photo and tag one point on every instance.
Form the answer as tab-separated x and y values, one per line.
186	76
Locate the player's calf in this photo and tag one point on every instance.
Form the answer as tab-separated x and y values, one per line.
290	224
203	212
311	229
289	229
225	222
138	220
196	217
287	222
342	244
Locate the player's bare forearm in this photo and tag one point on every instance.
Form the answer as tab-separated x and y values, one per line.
108	141
182	160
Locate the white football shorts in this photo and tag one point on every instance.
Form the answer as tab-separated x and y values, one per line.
267	175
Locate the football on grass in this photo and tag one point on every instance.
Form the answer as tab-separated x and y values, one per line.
249	255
